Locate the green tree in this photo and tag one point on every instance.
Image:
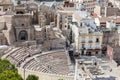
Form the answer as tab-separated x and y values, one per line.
32	77
6	65
10	75
8	71
60	79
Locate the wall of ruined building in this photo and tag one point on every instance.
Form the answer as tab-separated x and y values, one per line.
9	31
23	23
6	8
3	40
40	35
41	19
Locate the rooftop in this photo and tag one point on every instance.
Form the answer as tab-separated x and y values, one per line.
89	25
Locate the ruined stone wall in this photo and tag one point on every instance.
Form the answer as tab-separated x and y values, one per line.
8	31
23	22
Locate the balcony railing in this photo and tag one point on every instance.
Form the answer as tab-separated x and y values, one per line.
83	41
90	41
83	48
89	48
97	47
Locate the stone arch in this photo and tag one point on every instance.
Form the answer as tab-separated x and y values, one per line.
19	12
23	35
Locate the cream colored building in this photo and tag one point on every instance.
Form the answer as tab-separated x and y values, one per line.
66	11
62	19
65	16
106	11
86	38
89	4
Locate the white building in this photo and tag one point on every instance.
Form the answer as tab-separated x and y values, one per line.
87	39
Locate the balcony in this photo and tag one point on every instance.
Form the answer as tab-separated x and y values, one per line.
83	48
97	47
83	41
90	48
90	41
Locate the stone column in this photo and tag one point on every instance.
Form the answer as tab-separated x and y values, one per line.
58	20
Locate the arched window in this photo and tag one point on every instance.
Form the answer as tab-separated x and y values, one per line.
19	12
23	35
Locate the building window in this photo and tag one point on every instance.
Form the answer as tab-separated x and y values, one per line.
19	12
83	45
68	26
83	39
65	26
82	52
97	39
90	46
23	35
89	54
80	24
5	9
90	39
96	52
22	24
